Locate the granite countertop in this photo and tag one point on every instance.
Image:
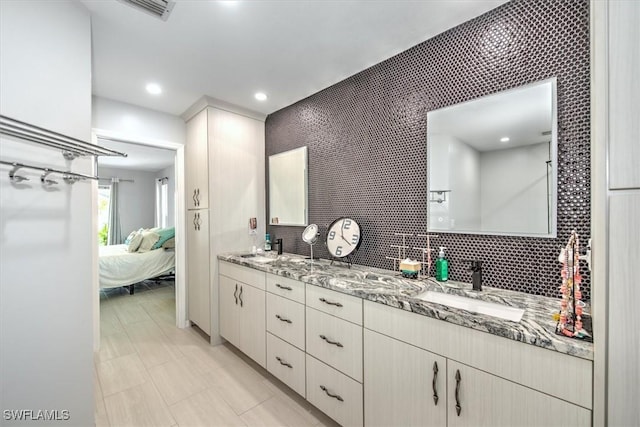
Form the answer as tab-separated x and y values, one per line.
537	326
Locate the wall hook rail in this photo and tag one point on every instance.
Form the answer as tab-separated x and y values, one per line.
71	147
67	176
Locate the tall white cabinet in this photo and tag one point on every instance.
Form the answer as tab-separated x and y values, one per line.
616	209
224	188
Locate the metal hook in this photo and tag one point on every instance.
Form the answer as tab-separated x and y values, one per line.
45	180
71	179
14	177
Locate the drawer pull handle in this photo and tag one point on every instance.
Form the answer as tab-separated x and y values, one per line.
335	396
283	319
433	383
458	380
235	294
337	304
283	363
286	288
336	343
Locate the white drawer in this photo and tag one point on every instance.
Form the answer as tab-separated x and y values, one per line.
255	278
286	363
336	342
340	305
333	393
285	287
285	319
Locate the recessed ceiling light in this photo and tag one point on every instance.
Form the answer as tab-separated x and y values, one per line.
154	88
504	139
261	96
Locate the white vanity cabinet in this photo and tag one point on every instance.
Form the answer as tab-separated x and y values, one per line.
403	385
494	381
242	310
334	354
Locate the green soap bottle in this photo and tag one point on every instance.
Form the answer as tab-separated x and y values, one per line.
442	267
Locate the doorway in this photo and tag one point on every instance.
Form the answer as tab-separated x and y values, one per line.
175	216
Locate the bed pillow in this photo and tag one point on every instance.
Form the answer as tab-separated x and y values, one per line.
148	240
135	242
130	236
165	234
170	244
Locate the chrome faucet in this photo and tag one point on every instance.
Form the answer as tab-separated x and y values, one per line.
476	276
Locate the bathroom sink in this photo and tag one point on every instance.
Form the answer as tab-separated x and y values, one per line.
257	258
501	311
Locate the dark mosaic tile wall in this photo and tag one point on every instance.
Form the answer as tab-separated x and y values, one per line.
366	138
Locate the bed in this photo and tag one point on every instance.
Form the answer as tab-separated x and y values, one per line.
118	267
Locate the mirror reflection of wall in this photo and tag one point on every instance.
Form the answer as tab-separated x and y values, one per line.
288	187
492	164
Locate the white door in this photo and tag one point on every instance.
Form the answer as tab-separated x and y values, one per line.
253	323
198	269
478	399
403	385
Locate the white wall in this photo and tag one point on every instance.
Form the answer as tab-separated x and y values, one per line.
135	123
137	199
46	358
170	172
517	204
454	166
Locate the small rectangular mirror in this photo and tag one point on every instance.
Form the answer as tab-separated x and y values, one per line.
492	164
288	188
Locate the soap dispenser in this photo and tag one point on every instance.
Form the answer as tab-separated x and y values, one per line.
442	267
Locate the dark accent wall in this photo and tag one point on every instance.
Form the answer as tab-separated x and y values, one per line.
367	136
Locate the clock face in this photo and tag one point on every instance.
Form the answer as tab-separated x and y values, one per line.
343	237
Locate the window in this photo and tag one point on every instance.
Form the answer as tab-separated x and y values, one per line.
162	202
104	195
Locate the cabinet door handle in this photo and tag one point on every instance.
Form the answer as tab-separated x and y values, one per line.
283	363
458	380
235	294
199	221
195	223
336	343
286	288
337	304
195	202
240	296
335	396
283	319
197	197
433	383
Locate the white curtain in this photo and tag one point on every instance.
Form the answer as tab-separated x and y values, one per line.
114	236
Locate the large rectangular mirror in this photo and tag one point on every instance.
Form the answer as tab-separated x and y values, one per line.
492	164
288	187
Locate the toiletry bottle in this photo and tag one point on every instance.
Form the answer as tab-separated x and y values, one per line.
267	242
442	267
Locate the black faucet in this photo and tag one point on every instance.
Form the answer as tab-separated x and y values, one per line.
278	243
476	276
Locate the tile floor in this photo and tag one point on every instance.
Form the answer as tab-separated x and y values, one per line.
150	373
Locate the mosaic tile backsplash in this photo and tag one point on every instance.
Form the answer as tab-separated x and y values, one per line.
367	136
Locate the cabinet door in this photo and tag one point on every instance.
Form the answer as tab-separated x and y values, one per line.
400	383
198	269
252	323
197	162
229	310
487	400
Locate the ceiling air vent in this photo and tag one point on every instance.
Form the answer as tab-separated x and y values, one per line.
158	8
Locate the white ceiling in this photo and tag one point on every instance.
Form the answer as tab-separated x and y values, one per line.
230	50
